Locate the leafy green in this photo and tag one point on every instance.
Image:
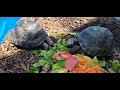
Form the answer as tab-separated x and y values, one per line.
60	59
36	52
36	71
111	71
55	68
82	54
95	60
32	69
59	64
60	45
102	63
115	65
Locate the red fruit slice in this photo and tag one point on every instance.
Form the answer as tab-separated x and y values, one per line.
71	63
64	55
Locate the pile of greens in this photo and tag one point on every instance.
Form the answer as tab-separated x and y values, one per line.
45	58
113	66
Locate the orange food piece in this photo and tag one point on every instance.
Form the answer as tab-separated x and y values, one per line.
82	66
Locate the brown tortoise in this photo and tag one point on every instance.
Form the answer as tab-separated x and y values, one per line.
29	34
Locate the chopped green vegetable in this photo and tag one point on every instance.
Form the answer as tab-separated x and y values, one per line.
36	65
36	52
101	63
36	71
83	54
55	68
95	60
61	63
115	65
111	71
60	59
32	69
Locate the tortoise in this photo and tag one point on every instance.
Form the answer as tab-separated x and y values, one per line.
96	41
28	34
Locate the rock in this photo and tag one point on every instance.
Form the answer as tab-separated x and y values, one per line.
49	41
71	42
74	49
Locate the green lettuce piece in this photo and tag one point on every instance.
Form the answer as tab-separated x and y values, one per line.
95	60
55	68
102	63
111	71
115	65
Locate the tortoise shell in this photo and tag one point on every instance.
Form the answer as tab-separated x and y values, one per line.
28	34
96	40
